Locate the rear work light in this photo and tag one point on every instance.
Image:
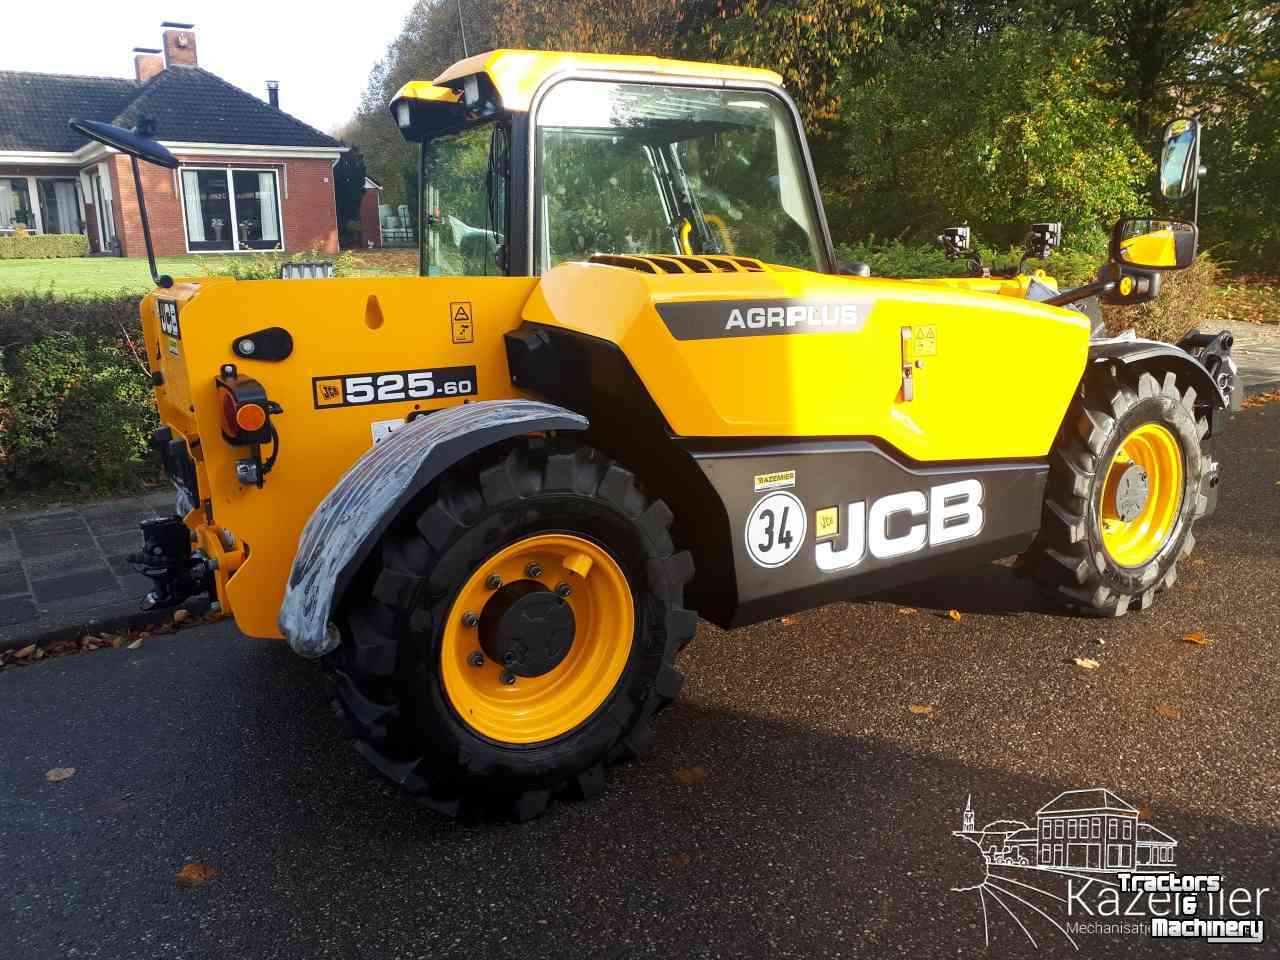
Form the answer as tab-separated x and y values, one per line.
246	422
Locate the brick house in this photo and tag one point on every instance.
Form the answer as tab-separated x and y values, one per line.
251	177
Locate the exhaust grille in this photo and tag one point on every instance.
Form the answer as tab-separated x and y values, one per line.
663	263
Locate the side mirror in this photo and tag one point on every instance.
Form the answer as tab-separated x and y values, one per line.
137	147
1154	244
126	141
1180	158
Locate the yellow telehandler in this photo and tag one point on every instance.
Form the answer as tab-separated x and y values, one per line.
633	386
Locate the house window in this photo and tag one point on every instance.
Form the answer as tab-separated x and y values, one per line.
228	209
1046	830
1111	828
60	205
1057	829
15	205
1071	829
1128	829
1097	828
1044	853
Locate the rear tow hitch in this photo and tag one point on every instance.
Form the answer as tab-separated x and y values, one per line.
167	558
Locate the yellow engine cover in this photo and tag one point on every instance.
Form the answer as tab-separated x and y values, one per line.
788	353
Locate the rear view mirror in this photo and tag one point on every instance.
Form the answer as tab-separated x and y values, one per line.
1180	158
1154	244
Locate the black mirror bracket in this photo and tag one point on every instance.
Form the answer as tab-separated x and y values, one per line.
161	280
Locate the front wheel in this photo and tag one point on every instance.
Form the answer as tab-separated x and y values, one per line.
518	632
1124	490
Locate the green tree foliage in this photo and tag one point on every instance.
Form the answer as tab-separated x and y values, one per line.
1000	131
812	43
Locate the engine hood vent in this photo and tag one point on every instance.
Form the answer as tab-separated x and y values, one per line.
663	263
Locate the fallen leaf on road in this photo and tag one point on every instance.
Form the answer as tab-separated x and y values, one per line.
1168	712
954	615
908	610
60	773
1087	663
1199	639
194	874
691	775
116	642
27	651
135	645
921	709
180	615
680	859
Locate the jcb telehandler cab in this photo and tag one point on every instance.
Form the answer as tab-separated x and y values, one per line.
633	387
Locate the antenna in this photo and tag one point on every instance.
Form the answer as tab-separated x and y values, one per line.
462	25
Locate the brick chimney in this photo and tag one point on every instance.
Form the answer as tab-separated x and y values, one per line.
179	44
273	93
147	62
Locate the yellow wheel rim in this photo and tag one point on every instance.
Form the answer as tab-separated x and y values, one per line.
537	708
1133	539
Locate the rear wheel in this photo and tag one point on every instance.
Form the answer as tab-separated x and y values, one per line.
517	631
1124	492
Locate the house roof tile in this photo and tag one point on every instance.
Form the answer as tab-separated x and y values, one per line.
183	104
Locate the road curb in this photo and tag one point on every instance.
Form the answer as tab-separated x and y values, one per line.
110	623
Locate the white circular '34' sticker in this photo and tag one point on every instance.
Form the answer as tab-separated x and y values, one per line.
775	529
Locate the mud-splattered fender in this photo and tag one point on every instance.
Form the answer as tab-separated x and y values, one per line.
357	511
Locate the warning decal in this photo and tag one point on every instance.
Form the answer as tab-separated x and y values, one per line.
460	320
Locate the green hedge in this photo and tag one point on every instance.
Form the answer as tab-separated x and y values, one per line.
76	407
39	246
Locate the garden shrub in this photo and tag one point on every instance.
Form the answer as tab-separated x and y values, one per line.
39	246
76	407
266	266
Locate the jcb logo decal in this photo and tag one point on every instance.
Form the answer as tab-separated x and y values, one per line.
360	389
167	310
948	513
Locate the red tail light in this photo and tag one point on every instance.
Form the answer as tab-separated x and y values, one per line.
246	411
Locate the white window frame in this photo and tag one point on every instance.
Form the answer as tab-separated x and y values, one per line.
231	200
79	198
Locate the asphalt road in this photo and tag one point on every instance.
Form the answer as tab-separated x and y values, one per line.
820	824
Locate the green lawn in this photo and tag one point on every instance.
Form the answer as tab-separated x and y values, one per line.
80	276
87	276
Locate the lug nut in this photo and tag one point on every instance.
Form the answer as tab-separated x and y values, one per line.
508	677
493	581
469	619
533	570
562	589
476	659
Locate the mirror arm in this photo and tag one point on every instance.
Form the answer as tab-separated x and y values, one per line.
1097	288
164	281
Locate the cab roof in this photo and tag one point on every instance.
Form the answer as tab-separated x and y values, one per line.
516	74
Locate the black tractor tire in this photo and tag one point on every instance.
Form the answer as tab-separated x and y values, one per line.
1068	558
387	671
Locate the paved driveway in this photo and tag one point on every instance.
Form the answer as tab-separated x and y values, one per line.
795	806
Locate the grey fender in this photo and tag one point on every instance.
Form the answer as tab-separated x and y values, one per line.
349	521
1147	354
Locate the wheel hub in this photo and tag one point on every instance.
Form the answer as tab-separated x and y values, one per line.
526	628
1131	492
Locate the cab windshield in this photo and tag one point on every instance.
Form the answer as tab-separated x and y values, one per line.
646	168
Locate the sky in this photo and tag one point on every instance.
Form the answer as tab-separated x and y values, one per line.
321	52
